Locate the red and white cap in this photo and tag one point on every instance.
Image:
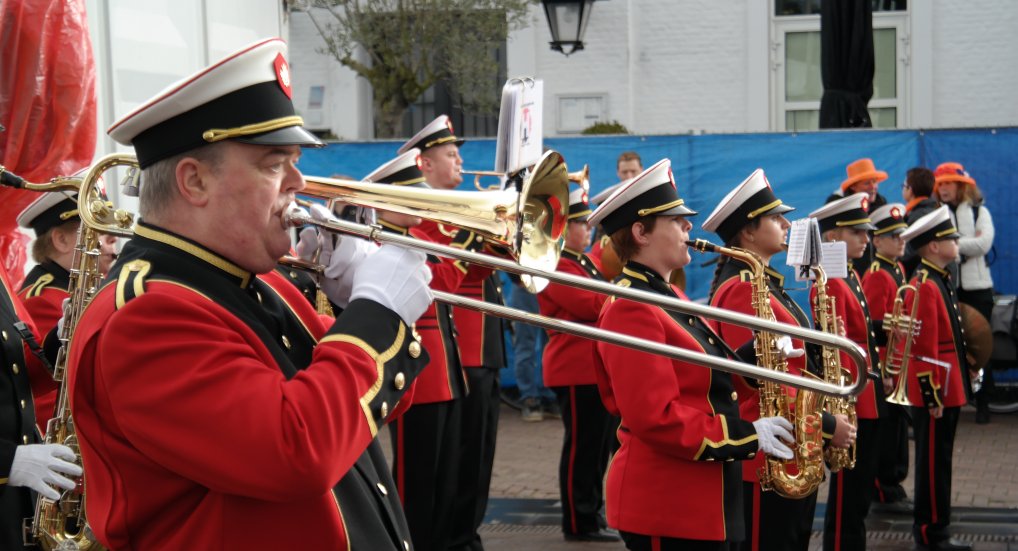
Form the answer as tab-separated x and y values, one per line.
650	193
437	132
244	97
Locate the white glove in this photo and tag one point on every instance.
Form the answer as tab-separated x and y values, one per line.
396	278
39	467
307	244
63	314
771	431
787	349
341	265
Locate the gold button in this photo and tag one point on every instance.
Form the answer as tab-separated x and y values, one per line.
24	438
400	381
4	334
293	274
414	349
751	455
385	409
406	545
690	321
22	404
381	488
710	340
479	239
15	368
286	342
735	395
710	459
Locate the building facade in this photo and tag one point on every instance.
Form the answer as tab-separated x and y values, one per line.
685	66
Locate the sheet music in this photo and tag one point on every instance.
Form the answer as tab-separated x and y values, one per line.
835	259
797	243
520	129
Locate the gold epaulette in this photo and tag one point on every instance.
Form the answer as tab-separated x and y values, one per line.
875	267
745	275
922	275
35	289
131	283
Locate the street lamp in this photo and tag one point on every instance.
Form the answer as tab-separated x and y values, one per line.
568	21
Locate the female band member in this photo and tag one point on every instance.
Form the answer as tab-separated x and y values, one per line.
751	217
674	483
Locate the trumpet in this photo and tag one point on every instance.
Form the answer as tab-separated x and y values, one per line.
297	216
580	177
899	326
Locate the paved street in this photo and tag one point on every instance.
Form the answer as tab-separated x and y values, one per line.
524	511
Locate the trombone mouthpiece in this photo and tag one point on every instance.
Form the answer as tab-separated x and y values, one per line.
294	216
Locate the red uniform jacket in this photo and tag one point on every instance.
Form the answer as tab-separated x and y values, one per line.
674	474
854	312
443	380
218	410
880	284
735	292
479	337
568	359
43	293
935	375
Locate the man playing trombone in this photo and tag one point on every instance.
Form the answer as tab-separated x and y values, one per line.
214	407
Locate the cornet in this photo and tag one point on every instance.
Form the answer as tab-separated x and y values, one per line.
899	326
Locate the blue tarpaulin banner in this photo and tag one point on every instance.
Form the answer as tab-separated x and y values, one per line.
803	168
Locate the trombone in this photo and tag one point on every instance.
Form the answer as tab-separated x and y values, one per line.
539	208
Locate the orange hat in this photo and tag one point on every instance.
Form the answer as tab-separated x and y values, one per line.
861	170
951	172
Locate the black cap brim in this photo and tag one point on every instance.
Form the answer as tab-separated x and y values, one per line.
679	210
290	135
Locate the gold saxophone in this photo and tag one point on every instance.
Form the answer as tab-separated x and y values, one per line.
774	401
61	524
825	313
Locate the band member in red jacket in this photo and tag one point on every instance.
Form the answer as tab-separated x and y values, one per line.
751	217
848	500
54	219
880	284
213	405
568	370
478	337
675	482
938	382
426	439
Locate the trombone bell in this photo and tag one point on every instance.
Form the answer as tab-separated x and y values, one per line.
529	222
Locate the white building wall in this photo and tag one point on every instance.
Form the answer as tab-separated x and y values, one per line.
346	110
975	63
681	66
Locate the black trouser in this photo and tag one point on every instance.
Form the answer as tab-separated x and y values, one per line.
639	542
892	466
477	454
850	492
775	522
934	443
425	445
982	301
584	457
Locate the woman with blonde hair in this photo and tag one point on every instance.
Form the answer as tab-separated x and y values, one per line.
956	189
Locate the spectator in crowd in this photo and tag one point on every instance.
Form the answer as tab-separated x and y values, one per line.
959	192
528	346
917	192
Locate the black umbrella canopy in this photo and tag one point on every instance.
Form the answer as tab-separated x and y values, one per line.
846	57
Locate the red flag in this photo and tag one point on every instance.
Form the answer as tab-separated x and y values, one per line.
47	104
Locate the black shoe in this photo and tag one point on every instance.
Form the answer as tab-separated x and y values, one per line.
551	409
949	544
983	417
601	534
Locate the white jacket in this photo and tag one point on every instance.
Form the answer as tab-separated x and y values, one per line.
976	240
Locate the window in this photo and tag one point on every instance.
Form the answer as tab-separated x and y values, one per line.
797	83
575	113
316	97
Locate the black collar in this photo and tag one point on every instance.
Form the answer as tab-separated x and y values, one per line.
147	232
638	271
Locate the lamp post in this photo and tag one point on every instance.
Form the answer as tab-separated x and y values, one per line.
568	21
